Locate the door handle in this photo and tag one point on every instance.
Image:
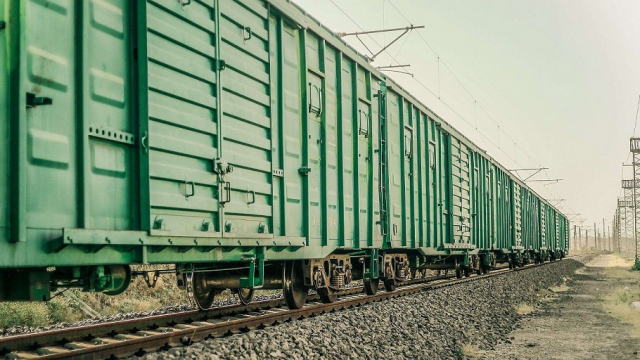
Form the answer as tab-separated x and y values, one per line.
227	192
193	189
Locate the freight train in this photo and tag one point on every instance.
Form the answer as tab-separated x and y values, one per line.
241	141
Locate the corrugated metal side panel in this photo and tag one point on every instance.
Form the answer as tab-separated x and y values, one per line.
503	217
550	225
434	209
481	209
347	154
315	118
375	138
443	163
543	224
422	195
394	132
333	191
517	211
559	231
246	109
407	146
183	123
51	130
365	157
291	130
277	182
460	177
108	198
4	132
530	222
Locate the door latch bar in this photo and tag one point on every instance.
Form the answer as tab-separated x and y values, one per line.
33	100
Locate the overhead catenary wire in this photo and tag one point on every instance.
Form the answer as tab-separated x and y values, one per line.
497	146
476	104
473	124
444	64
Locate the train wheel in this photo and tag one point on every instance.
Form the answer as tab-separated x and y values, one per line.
327	295
467	271
295	293
245	295
371	286
479	271
423	273
390	285
202	295
458	272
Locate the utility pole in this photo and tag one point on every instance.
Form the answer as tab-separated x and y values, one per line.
634	146
595	238
603	236
586	239
575	238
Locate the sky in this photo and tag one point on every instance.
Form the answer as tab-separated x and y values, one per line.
536	83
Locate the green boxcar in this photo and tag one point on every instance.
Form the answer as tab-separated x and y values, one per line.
241	140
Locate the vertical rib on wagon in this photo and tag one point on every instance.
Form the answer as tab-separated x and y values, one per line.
5	109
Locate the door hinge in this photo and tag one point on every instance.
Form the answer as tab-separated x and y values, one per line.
304	171
3	24
33	100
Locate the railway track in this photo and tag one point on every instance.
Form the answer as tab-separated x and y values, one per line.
162	332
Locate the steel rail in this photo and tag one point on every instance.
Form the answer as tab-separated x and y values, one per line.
162	332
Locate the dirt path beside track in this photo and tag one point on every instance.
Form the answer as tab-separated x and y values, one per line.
589	317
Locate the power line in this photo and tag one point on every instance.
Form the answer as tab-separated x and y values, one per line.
476	104
427	88
464	87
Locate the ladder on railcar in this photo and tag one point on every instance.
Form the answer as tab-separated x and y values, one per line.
382	149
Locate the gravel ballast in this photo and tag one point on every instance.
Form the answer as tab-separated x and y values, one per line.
429	325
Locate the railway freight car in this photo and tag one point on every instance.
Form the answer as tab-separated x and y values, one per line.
242	141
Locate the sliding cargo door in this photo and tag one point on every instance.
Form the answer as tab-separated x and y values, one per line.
183	128
245	117
49	138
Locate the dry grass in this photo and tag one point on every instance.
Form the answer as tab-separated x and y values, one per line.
524	309
623	273
559	288
69	306
618	301
469	351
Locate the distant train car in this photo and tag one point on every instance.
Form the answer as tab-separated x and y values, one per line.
242	141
